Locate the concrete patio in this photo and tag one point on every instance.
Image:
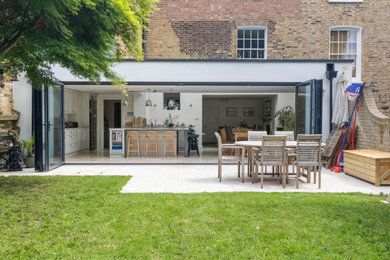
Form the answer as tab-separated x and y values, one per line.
203	178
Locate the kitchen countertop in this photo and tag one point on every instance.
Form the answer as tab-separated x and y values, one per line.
152	128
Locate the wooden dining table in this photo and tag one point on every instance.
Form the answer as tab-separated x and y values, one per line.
247	145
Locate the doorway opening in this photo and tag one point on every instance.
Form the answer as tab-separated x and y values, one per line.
235	111
112	118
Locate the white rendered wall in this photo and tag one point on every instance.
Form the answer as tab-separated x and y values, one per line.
23	104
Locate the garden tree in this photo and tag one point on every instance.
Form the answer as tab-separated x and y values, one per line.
84	36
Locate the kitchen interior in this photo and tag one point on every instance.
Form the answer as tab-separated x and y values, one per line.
94	114
92	118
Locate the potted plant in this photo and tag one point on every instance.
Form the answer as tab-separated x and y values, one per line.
28	149
171	119
191	130
286	118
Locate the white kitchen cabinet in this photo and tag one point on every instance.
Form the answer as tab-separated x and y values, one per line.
76	139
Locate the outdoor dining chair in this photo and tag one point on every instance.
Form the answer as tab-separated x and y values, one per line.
291	151
229	158
289	134
273	153
256	135
308	155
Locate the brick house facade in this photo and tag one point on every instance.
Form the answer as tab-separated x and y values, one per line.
296	29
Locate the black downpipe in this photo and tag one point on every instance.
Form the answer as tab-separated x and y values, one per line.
330	75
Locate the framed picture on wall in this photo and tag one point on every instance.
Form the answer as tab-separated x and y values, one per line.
267	108
248	111
231	112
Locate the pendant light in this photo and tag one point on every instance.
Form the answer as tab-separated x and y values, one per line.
148	102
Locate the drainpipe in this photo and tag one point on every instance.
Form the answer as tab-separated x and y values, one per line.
330	75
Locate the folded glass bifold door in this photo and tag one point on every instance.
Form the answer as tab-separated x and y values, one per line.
308	107
48	114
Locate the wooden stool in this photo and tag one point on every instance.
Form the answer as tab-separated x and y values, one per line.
151	142
133	143
169	142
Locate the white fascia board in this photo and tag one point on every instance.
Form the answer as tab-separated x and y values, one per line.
149	71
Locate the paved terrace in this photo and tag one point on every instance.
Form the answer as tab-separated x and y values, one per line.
203	178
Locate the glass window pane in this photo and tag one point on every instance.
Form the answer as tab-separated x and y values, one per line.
261	34
247	54
240	34
334	57
261	44
333	47
247	34
352	47
343	36
334	36
254	44
254	54
240	44
247	43
240	54
342	47
260	54
254	33
352	35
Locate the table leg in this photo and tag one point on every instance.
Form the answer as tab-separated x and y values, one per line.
243	165
185	143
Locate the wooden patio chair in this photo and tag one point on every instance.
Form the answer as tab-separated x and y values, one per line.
256	135
289	134
291	151
230	158
309	155
273	153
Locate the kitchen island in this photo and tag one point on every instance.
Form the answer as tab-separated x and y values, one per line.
181	138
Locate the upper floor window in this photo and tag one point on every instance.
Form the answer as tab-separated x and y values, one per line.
345	43
251	42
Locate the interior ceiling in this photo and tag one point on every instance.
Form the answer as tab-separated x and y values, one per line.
109	89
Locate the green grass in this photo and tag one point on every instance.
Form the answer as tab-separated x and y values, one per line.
87	217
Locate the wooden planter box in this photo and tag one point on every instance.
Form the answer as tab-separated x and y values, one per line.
370	165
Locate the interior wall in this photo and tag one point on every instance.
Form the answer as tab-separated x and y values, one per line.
190	112
76	107
22	92
214	114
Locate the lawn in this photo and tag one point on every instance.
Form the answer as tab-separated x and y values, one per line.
87	217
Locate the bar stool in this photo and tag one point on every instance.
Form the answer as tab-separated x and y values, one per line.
169	142
151	142
133	143
193	143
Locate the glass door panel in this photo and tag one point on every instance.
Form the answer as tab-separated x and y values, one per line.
302	108
55	125
308	107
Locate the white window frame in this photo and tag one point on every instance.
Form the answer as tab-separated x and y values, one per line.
358	77
345	1
265	40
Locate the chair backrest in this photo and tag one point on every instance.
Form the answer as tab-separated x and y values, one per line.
169	134
219	141
309	150
229	134
133	134
256	135
289	134
273	150
152	134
